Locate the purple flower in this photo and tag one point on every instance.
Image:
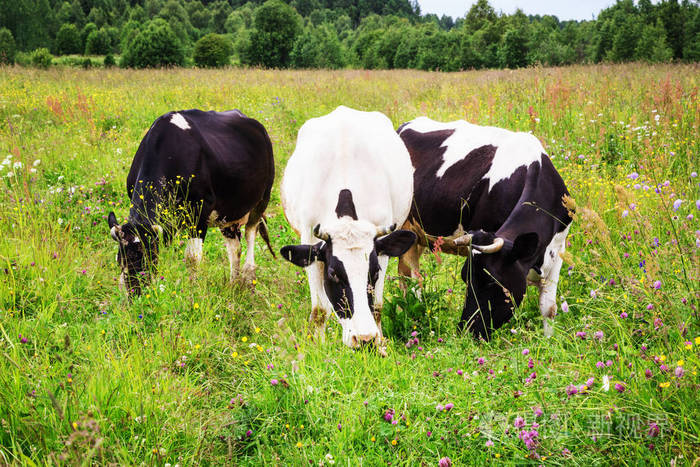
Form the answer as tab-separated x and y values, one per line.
488	443
599	335
519	422
526	351
537	411
530	363
249	433
653	430
449	406
625	213
481	361
581	335
633	176
340	427
589	382
693	174
571	390
274	382
658	323
650	307
600	365
677	204
23	340
623	315
389	415
648	373
565	452
697	203
439	408
657	285
564	307
445	462
619	387
679	372
460	372
608	363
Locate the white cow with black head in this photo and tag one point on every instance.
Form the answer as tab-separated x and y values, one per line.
346	187
493	196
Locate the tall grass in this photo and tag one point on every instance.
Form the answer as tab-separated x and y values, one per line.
198	371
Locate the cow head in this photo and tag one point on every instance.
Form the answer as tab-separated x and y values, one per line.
349	251
495	274
138	250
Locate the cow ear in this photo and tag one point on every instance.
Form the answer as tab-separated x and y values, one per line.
396	243
525	246
112	220
302	255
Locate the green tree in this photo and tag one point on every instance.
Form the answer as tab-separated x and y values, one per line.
212	50
68	40
41	58
626	38
98	43
155	45
480	15
513	50
652	46
276	28
407	50
87	29
7	47
318	48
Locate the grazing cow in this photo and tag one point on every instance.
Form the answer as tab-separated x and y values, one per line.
348	184
495	194
199	169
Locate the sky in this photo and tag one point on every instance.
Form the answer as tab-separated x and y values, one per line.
563	9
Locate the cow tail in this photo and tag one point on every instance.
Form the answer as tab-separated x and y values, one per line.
262	228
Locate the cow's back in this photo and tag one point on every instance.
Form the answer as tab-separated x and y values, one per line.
347	149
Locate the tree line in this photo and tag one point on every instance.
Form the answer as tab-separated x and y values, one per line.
374	34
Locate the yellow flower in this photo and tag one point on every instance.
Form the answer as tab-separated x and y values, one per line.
665	385
259	347
680	362
298	444
196	305
75	425
393	442
662	358
373	439
301	426
244	339
697	340
287	426
257	329
497	455
197	346
234	354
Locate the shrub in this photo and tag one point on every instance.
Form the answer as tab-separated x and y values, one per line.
68	40
109	61
153	46
41	58
86	63
212	50
7	47
98	43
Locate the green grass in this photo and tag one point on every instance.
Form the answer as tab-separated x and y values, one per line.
181	374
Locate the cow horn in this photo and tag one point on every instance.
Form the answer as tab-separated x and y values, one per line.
385	230
465	239
492	248
321	235
115	232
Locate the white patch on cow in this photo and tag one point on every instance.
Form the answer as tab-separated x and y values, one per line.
361	152
179	121
550	279
193	250
249	265
514	149
137	240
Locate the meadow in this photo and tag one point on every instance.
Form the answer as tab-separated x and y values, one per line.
196	371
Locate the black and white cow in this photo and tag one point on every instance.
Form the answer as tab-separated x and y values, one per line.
496	194
199	169
345	189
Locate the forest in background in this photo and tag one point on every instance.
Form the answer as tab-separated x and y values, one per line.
371	34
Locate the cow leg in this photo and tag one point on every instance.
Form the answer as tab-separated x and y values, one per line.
248	272
409	266
550	279
320	305
232	238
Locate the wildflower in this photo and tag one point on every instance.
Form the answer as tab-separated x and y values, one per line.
665	384
571	390
445	462
648	373
657	285
623	315
658	323
439	408
581	335
600	365
679	372
393	442
329	458
488	444
677	204
589	382
619	387
526	351
565	452
340	427
606	383
599	335
519	422
564	307
299	444
653	430
625	213
389	415
481	360
530	363
537	411
274	382
23	340
449	406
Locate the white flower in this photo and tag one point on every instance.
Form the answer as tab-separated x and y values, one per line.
36	163
60	221
17	165
32	170
60	177
606	383
10	174
119	151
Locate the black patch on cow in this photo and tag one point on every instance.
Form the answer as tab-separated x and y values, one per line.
337	286
345	206
372	277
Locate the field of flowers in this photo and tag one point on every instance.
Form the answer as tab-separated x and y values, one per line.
198	371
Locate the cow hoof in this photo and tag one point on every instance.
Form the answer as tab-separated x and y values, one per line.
248	274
